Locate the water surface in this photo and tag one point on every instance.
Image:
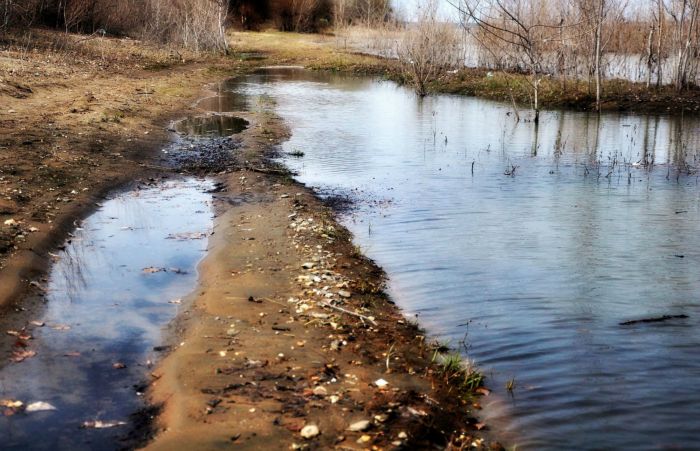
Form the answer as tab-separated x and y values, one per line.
214	125
116	284
530	273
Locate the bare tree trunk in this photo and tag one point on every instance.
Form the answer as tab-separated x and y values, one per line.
659	40
598	36
650	56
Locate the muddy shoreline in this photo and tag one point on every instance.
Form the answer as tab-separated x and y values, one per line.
257	356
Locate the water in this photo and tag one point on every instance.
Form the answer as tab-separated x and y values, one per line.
533	271
103	308
215	125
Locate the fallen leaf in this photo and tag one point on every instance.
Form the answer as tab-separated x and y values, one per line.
97	424
61	327
416	412
11	403
187	236
359	426
72	354
118	366
22	335
152	270
19	356
483	391
37	323
39	406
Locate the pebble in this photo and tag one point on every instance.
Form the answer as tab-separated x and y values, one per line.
320	391
359	426
344	294
364	439
402	435
310	431
381	383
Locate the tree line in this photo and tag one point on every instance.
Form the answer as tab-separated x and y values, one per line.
582	38
197	24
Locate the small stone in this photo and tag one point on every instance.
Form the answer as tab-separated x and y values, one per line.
307	265
320	391
344	294
381	383
364	439
402	435
310	431
359	426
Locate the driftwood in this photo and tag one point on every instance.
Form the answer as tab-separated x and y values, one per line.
657	319
269	170
348	312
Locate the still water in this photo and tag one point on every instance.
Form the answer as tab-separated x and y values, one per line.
113	288
524	246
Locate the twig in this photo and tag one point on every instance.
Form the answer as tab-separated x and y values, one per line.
268	171
340	309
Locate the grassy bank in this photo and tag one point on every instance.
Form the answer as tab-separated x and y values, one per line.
326	52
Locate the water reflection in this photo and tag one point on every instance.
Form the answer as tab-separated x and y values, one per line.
211	125
540	267
103	309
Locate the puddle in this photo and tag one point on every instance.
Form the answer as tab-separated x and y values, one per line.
104	315
211	126
224	103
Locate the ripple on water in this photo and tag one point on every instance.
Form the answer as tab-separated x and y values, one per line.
541	266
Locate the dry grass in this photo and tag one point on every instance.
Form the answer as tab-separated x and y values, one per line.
313	51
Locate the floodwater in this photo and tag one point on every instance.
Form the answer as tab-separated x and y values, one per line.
525	246
104	315
209	126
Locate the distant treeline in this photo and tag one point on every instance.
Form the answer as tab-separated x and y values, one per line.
307	15
160	18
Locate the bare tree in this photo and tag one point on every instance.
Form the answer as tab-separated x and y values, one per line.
303	13
429	49
596	16
685	15
195	24
517	33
